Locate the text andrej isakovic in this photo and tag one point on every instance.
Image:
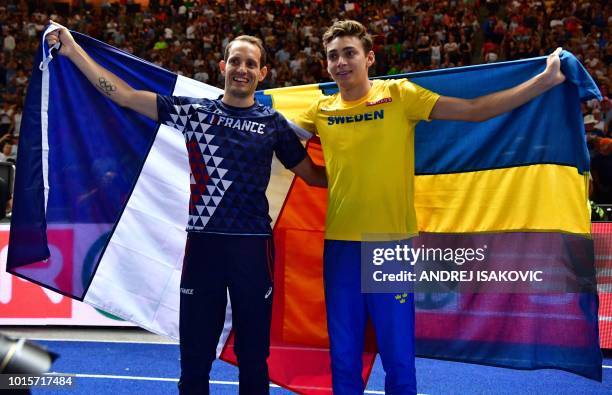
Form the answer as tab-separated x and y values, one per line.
457	256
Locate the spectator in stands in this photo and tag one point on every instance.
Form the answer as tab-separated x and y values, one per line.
601	168
599	121
436	52
451	48
5	198
423	51
600	150
6	154
16	120
9	42
202	75
6	115
465	49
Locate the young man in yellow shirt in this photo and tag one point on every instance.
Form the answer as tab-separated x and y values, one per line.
367	134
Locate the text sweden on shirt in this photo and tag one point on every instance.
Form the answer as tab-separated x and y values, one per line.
368	116
239	124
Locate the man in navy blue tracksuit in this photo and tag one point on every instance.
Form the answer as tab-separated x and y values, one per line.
229	246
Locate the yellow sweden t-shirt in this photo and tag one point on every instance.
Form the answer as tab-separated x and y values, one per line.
368	146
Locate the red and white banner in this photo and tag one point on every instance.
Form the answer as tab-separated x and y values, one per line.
602	235
25	303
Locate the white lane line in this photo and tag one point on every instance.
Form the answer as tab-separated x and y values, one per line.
141	378
102	341
167	379
168	343
108	376
383	392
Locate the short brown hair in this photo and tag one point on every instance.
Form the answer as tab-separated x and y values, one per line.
348	28
251	40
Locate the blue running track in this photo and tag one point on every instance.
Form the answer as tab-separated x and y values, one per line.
153	369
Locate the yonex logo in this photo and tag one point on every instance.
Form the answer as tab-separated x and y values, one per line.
187	291
381	101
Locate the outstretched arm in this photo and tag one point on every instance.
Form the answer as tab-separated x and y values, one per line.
489	106
313	174
143	102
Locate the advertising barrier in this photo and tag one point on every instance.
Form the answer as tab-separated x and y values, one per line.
602	235
25	303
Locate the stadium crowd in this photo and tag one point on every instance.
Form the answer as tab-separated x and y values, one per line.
188	37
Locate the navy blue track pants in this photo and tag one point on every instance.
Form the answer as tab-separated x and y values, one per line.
214	266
